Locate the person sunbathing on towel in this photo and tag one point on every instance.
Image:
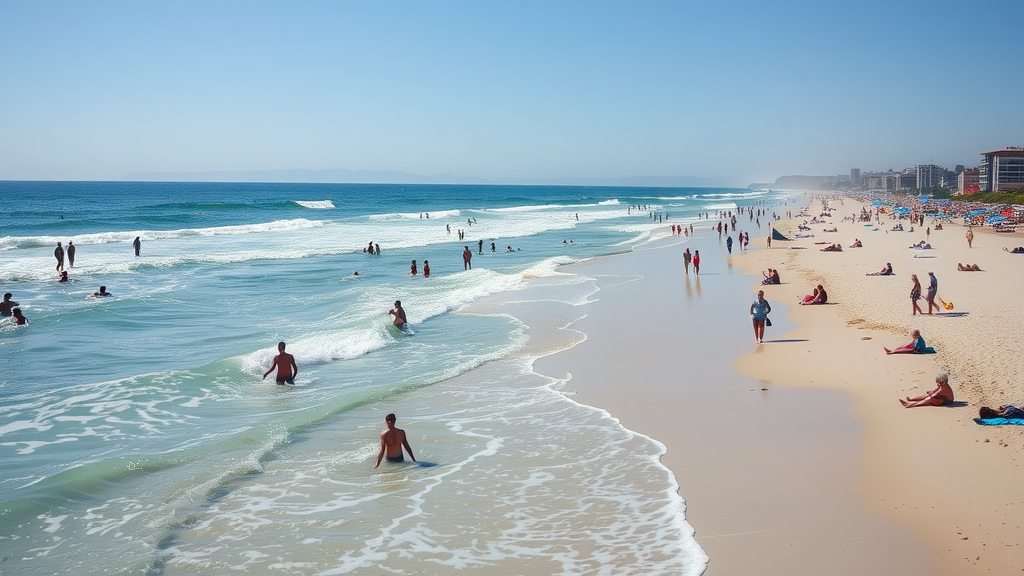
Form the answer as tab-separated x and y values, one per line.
942	394
885	271
832	248
968	268
1008	411
917	346
818	297
1017	250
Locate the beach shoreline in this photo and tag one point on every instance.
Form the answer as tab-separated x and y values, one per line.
917	510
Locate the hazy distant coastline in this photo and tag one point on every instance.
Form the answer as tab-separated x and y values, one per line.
343	176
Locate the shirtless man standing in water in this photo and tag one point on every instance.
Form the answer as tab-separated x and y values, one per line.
392	440
399	313
287	369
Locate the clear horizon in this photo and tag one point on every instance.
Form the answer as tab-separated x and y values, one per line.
735	94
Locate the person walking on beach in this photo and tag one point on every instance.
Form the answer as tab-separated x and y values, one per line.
71	254
696	262
426	269
392	440
480	246
970	236
412	268
687	258
137	244
58	253
399	313
467	257
759	311
287	369
728	243
933	290
915	295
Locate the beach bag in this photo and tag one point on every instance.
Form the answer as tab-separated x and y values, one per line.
767	321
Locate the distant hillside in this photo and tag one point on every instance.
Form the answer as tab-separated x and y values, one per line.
802	182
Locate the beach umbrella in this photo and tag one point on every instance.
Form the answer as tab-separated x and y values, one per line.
877	203
976	212
902	210
995	218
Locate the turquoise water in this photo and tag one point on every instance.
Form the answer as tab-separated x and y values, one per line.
137	435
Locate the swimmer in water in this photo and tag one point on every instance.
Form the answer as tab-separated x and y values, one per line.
287	369
392	440
8	305
399	313
426	269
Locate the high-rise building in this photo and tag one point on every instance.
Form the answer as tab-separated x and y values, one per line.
967	181
929	177
1002	170
854	176
907	179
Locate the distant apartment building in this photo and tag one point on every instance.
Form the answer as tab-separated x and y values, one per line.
967	181
854	177
907	179
929	176
1002	170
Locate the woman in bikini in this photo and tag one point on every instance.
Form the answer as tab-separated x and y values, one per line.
915	295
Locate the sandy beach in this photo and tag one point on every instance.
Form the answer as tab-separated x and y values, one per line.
795	456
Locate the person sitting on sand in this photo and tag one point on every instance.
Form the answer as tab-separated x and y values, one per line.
856	243
885	271
917	346
818	297
1007	411
832	248
938	226
968	268
942	394
771	277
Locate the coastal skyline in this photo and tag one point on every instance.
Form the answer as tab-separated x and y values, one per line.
525	93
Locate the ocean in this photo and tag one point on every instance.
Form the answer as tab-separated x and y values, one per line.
137	436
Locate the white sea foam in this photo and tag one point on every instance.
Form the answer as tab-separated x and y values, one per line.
315	204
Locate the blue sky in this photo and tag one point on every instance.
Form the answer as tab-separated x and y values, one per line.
742	91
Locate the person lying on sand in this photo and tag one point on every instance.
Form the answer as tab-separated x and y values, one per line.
885	271
917	346
830	230
942	394
922	245
1008	411
818	297
832	248
1017	250
968	268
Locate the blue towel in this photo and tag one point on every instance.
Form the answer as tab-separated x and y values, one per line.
927	350
1000	421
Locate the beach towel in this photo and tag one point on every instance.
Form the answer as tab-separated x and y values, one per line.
776	235
1000	421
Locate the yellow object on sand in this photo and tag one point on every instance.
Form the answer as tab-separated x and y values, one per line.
946	305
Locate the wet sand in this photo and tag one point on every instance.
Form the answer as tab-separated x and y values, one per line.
774	477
